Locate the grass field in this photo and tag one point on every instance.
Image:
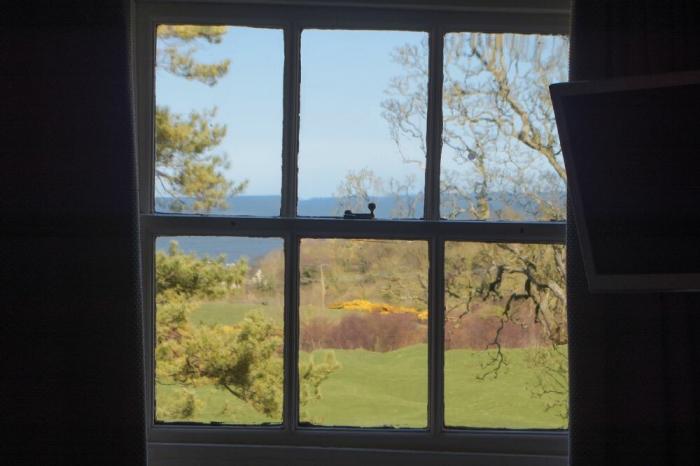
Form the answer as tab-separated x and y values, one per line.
232	313
372	389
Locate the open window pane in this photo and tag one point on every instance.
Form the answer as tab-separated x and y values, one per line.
506	358
219	330
363	329
351	149
501	158
218	119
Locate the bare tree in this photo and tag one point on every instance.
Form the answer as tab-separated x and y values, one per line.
501	160
358	189
361	187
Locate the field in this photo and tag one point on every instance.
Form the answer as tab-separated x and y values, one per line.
375	389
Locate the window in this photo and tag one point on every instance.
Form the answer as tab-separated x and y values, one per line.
352	225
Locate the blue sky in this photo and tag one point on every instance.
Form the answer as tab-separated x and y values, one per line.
344	78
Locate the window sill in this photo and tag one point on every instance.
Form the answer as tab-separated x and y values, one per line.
197	454
180	446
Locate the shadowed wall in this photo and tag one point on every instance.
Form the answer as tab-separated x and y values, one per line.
72	359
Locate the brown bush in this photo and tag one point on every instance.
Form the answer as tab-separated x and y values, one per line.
374	332
316	333
478	332
388	332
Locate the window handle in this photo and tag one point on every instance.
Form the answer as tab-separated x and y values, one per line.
371	206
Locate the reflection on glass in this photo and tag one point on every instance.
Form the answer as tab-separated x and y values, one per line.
351	150
506	358
363	313
501	158
218	119
219	330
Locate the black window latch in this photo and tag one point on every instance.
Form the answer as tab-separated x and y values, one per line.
371	206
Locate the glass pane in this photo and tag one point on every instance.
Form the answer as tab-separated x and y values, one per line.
350	152
506	358
501	158
219	330
218	119
363	313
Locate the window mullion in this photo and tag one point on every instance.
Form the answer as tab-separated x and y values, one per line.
291	333
436	347
434	128
292	78
290	137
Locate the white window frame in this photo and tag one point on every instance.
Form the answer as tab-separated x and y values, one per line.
291	443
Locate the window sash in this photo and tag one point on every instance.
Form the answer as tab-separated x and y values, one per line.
292	20
436	436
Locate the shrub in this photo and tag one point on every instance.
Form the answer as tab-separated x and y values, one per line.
476	331
364	305
370	331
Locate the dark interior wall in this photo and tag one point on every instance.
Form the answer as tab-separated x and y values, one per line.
634	358
71	358
71	376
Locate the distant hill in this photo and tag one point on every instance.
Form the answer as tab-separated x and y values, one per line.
269	206
263	206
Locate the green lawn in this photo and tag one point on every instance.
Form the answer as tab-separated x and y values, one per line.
503	402
230	313
227	313
377	389
373	389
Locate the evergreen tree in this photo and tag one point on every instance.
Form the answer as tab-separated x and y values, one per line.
187	167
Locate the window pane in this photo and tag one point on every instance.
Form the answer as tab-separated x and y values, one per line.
219	330
363	313
501	158
218	120
506	358
350	151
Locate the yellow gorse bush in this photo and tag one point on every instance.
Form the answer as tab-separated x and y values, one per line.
364	305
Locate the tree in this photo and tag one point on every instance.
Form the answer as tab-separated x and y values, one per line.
187	168
358	189
501	160
363	186
245	360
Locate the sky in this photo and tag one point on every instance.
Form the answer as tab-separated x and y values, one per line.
344	78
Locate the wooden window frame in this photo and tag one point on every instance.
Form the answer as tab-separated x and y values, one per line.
291	443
